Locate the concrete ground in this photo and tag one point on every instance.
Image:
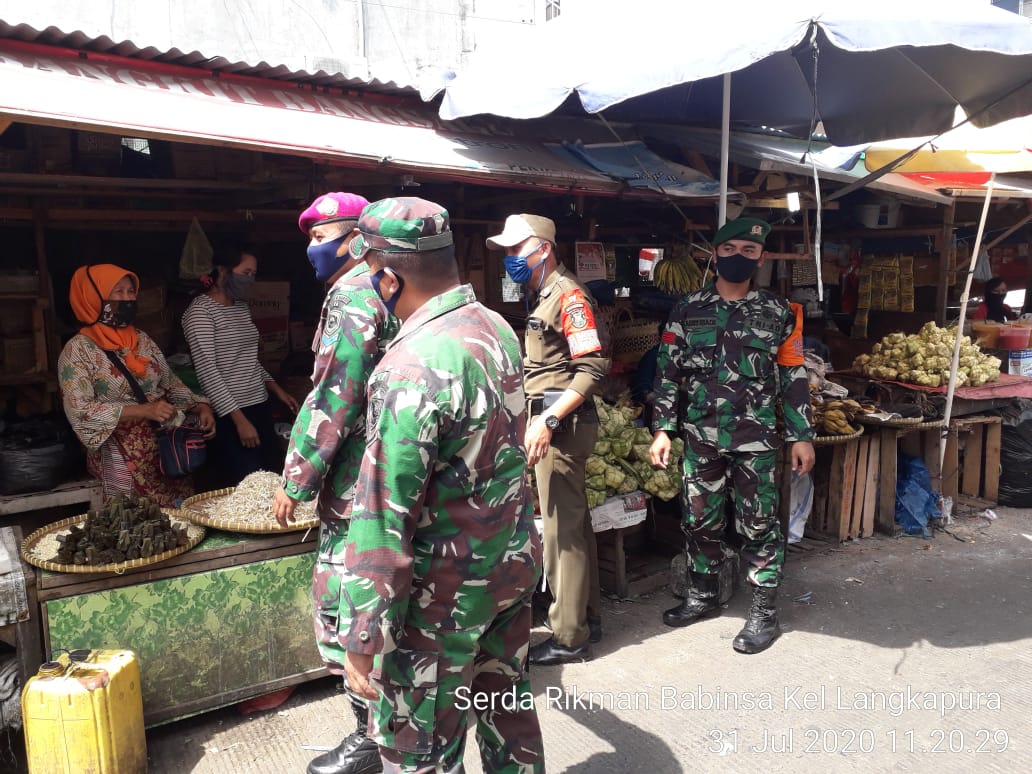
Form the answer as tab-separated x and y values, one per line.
904	654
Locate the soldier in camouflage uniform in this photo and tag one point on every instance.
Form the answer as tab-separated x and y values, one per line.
442	553
328	437
728	356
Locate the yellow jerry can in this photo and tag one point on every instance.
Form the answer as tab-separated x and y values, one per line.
83	714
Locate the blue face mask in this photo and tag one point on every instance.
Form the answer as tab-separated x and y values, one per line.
517	268
374	280
324	259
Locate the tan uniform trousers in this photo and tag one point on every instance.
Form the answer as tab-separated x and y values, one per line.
570	552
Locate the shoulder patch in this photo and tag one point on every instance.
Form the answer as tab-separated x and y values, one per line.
579	327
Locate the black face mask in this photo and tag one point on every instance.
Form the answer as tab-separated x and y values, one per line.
736	267
118	314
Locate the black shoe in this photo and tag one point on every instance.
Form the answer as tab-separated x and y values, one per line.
703	600
550	653
762	627
594	629
357	754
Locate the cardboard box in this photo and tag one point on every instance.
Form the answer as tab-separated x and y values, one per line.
270	310
1019	362
619	511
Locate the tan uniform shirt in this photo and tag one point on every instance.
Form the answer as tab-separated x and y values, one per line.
564	345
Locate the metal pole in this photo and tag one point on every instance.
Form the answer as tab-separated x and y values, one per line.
725	142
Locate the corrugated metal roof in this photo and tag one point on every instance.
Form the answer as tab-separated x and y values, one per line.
53	36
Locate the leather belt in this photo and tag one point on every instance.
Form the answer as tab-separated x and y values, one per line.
537	405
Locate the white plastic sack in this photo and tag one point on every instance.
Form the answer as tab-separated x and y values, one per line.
195	260
983	271
800	503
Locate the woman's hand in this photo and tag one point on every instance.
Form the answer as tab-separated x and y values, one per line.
248	435
287	399
206	419
156	411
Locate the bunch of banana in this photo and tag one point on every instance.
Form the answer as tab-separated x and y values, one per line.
678	276
835	416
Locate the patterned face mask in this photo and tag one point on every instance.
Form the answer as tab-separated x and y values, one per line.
118	314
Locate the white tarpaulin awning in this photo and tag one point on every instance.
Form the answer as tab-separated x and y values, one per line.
140	98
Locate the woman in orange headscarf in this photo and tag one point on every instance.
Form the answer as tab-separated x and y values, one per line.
98	400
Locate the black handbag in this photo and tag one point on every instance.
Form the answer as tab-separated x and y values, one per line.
182	449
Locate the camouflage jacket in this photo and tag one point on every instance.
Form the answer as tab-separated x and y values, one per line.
328	437
442	533
718	375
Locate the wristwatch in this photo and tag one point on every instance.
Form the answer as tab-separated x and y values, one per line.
551	421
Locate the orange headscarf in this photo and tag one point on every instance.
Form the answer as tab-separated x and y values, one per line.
91	286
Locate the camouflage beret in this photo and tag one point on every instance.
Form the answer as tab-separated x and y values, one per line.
751	229
404	224
332	208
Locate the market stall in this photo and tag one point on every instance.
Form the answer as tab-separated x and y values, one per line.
220	615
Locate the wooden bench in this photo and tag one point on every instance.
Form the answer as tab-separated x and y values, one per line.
846	479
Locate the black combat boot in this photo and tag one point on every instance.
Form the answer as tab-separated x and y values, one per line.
762	627
703	600
357	754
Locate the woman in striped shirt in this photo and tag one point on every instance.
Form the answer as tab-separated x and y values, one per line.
223	343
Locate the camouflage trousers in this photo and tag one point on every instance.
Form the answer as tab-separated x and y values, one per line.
327	577
431	681
755	499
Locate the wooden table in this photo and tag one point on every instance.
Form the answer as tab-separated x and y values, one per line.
90	492
226	621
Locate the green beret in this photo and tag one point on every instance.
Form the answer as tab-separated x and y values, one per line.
752	229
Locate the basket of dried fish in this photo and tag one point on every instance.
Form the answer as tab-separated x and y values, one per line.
246	507
127	532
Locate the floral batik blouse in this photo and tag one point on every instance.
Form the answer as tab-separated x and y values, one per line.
123	456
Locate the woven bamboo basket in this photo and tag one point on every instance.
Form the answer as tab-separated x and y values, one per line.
904	422
633	338
43	542
827	440
197	509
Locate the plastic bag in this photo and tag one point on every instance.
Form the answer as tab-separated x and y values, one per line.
195	259
33	457
1015	463
916	501
800	504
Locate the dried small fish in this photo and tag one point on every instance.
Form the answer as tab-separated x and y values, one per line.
251	502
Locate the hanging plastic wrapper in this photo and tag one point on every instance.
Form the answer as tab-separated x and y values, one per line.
195	259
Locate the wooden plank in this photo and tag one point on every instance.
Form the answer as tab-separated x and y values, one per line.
971	476
974	502
830	523
951	467
886	518
821	473
991	489
871	485
930	443
845	498
863	445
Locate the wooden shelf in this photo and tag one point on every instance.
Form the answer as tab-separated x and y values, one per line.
13	380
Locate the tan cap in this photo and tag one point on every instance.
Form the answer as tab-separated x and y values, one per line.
520	227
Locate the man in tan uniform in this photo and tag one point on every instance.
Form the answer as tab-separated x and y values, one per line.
562	365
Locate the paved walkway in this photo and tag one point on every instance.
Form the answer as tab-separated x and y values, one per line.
905	655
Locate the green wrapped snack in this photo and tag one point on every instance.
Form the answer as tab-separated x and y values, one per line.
642	435
602	447
596	482
595	466
620	448
614	477
640	452
595	498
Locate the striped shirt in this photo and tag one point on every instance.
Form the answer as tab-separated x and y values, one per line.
224	346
